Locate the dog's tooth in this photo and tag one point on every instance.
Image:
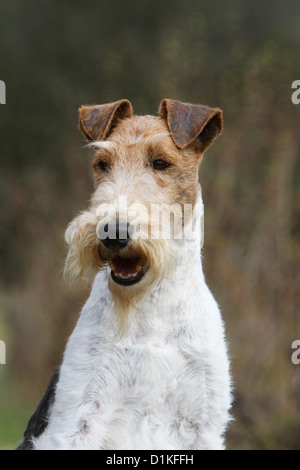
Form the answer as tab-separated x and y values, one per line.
111	265
128	276
138	268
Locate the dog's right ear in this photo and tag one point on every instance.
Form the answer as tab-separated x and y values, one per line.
97	122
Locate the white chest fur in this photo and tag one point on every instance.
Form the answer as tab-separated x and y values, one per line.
164	385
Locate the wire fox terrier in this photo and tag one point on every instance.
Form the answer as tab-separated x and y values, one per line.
146	366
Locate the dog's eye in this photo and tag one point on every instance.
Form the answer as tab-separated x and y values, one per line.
160	164
102	166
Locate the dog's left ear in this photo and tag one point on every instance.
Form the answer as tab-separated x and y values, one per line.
191	123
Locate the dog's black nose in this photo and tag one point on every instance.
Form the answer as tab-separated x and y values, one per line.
115	236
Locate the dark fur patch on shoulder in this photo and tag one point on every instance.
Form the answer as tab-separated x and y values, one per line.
39	420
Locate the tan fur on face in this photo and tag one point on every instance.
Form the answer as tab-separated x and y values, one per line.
133	146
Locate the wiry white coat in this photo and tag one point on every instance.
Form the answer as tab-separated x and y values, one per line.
165	384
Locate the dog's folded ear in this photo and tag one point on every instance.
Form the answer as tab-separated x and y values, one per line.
191	124
97	122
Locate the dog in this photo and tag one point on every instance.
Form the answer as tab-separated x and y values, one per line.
146	366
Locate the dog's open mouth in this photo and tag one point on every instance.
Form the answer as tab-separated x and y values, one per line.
125	271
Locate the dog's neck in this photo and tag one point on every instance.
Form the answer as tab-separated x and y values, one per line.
188	249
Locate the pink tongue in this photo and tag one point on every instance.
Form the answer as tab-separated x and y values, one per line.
125	266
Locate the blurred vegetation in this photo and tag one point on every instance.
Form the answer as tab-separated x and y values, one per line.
240	56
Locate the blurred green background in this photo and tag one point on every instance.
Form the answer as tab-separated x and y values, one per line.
241	56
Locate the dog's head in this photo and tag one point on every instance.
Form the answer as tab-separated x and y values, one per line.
146	175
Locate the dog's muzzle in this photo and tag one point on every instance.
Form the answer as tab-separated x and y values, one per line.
115	236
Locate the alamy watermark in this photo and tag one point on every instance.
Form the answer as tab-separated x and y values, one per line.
296	354
2	92
2	352
151	221
296	95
